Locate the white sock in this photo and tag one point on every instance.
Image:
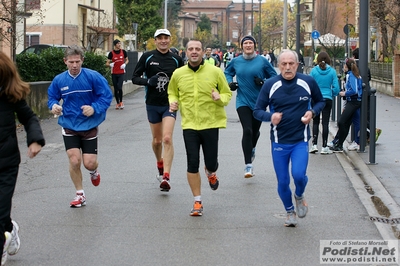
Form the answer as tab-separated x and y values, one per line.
80	192
197	198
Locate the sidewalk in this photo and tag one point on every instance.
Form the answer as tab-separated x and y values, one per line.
382	178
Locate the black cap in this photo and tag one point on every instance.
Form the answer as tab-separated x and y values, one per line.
248	38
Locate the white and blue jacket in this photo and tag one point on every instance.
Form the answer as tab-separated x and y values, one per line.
293	99
88	88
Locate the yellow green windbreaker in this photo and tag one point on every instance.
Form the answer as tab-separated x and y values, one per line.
192	90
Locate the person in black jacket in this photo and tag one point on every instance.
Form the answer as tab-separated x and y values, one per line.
154	70
13	92
378	131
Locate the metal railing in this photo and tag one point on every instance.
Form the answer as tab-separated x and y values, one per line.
381	71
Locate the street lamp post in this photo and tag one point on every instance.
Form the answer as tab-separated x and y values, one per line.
244	19
252	18
165	13
228	11
259	27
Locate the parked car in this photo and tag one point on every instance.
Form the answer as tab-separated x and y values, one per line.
38	48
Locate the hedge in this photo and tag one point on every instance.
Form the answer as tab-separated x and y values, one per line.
50	63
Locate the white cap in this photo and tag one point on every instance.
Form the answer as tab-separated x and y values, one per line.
162	31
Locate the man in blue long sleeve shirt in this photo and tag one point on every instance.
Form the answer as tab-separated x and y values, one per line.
289	98
251	70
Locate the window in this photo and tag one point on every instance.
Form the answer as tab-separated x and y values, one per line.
32	38
235	34
95	41
32	5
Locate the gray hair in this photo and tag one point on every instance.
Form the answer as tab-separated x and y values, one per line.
287	51
73	50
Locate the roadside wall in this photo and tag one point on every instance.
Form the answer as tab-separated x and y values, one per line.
37	99
391	88
385	87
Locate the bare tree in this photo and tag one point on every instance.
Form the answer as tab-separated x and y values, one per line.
99	29
393	21
325	16
13	13
380	11
388	16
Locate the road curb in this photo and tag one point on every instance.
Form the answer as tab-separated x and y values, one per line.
367	185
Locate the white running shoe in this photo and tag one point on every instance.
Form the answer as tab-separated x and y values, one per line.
301	206
291	220
7	242
326	150
248	171
15	242
313	149
353	146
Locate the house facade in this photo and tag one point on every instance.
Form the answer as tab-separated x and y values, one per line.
87	23
230	20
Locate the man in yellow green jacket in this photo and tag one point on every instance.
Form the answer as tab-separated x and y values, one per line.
200	91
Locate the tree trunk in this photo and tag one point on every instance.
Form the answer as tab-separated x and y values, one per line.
384	38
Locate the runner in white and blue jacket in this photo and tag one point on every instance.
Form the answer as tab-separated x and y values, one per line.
85	96
288	97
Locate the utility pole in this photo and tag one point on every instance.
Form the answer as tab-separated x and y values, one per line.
12	29
312	28
165	13
284	24
252	17
298	27
363	55
244	18
259	28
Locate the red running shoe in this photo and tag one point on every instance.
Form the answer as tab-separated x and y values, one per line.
95	177
79	201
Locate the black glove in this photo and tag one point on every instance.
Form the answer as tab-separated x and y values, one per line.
153	81
233	86
258	81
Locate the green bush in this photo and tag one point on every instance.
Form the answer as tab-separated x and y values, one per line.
50	63
97	62
54	63
29	67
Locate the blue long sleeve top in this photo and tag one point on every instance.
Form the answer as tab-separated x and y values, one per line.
293	99
88	88
245	70
353	87
327	81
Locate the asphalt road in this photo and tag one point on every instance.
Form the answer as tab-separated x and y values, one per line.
128	221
